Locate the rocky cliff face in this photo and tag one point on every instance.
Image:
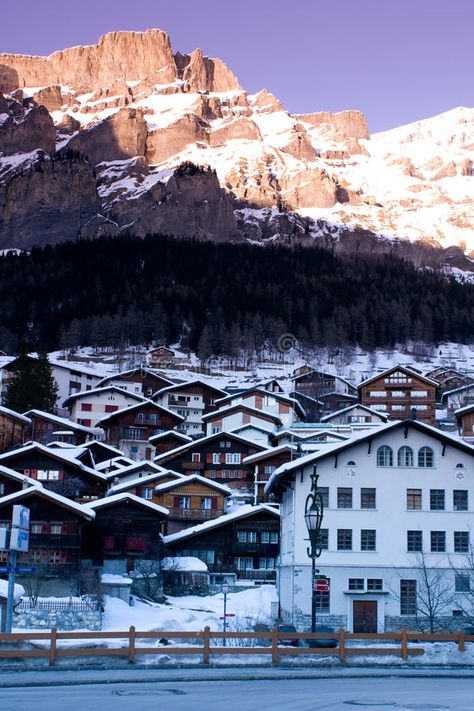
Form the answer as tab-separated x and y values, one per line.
103	139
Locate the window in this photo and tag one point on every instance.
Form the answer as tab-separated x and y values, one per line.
367	539
111	408
36	528
398	378
461	541
414	541
266	563
374	584
184	502
242	536
247	536
380	407
344	498
344	539
216	458
86	407
206	503
147	493
49	474
398	408
377	393
398	393
356	584
460	501
420	408
324	539
56	529
55	556
413	499
269	537
367	498
438	541
408	597
462	583
405	457
195	457
216	430
232	458
268	469
322	600
213	473
419	393
274	536
324	491
384	456
437	499
425	457
242	563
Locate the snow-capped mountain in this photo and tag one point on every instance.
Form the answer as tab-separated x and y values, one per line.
127	136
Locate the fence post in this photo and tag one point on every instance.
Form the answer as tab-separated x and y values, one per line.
403	641
342	645
461	640
53	646
206	648
131	644
275	650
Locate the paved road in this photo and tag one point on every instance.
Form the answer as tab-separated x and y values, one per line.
268	695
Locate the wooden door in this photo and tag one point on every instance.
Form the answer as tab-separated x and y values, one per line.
365	616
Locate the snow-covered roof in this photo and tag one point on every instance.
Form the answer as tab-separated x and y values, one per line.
361	436
241	512
189	479
405	369
268	453
174	433
447	393
185	563
223	411
15	415
463	410
120	462
99	391
82	509
127	496
186	384
97	443
62	421
205	440
144	480
16	476
142	465
145	403
62	455
323	373
244	394
359	406
128	374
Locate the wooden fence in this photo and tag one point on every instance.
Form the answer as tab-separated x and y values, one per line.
274	643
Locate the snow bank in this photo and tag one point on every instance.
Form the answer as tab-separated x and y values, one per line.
184	563
19	590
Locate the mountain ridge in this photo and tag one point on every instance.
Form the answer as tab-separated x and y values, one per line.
126	113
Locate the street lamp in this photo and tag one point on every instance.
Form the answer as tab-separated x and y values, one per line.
225	589
313	516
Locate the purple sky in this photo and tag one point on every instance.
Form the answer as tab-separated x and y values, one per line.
395	60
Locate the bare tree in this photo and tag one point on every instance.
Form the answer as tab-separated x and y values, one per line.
464	577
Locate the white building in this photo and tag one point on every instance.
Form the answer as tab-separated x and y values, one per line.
392	495
287	409
190	400
87	408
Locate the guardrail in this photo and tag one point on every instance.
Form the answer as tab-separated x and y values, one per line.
273	644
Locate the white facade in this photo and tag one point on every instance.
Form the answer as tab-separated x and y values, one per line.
231	418
90	407
285	408
360	470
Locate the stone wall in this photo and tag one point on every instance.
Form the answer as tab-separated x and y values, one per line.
421	624
303	622
36	618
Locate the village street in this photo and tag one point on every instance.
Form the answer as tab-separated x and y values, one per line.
402	694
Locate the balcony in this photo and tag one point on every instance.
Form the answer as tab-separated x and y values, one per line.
267	575
194	514
54	540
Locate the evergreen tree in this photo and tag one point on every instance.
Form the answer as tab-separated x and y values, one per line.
32	385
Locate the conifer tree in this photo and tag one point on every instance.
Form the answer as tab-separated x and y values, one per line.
32	385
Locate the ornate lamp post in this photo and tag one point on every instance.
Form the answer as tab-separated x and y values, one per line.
313	516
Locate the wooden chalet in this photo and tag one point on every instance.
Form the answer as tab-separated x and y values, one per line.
14	429
264	464
219	457
56	525
129	429
357	414
162	356
126	529
137	470
12	481
465	421
229	418
401	392
448	379
191	400
46	428
316	383
190	500
244	543
58	470
101	452
141	381
459	397
166	441
144	486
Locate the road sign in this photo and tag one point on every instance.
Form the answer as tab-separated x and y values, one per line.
19	540
5	569
25	569
21	517
3	539
320	577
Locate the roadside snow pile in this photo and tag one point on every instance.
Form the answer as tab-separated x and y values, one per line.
19	590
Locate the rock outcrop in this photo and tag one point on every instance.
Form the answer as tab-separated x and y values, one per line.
35	130
172	139
122	135
201	73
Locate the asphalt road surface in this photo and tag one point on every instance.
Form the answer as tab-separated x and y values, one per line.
432	694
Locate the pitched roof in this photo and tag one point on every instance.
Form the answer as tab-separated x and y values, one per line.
132	498
364	436
143	480
168	433
204	440
58	454
185	480
352	407
145	403
270	452
322	372
61	421
144	464
241	512
82	509
99	391
128	374
223	411
243	394
405	369
447	393
186	384
15	415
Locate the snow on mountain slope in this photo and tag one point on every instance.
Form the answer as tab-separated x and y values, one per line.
138	120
